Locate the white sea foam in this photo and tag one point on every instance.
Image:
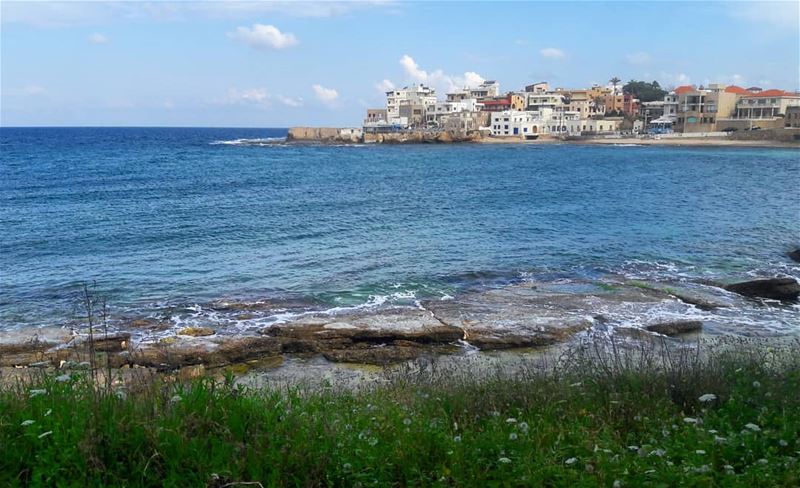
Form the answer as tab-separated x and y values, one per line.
266	141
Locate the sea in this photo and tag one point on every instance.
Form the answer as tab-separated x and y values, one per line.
179	223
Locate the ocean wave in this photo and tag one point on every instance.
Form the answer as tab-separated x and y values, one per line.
266	141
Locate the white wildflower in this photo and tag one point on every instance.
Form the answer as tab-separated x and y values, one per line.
26	423
690	420
175	399
512	436
700	452
523	426
48	412
617	484
347	466
35	393
728	467
63	378
713	431
511	421
658	452
571	461
406	421
504	460
756	384
762	461
720	440
576	384
707	398
753	427
457	438
633	448
42	436
783	443
650	471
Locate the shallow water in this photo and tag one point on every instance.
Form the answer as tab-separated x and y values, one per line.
172	222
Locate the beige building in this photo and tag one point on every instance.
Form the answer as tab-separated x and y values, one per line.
584	102
766	104
699	108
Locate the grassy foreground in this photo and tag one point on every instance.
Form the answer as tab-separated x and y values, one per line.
729	416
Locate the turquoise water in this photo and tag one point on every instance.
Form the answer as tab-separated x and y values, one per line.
177	219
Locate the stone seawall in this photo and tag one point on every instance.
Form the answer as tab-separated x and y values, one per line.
418	136
334	135
325	134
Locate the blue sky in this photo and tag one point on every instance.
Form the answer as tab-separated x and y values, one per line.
276	64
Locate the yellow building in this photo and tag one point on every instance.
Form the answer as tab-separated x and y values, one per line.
518	102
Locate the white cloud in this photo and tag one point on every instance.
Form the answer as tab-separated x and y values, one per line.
438	79
638	58
252	95
98	38
552	53
473	79
261	36
384	86
412	69
782	15
327	96
259	97
289	102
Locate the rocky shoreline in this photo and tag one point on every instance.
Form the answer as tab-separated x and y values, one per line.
526	315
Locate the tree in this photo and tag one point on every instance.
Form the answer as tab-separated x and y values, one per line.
614	81
644	91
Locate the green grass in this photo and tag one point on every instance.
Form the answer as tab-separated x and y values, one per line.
594	418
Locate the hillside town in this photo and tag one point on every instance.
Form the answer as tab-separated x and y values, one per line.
640	108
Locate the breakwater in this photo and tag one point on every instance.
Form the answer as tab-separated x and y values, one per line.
357	135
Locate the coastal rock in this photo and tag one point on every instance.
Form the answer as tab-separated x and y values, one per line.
374	338
25	353
186	352
513	317
675	327
196	331
774	288
794	255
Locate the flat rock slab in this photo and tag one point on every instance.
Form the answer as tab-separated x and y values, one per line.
376	337
519	316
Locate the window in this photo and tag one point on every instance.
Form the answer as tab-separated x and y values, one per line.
506	125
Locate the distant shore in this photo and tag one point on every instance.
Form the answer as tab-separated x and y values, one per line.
706	141
331	135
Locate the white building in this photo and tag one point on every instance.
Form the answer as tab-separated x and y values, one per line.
540	101
413	95
441	109
516	123
487	89
670	107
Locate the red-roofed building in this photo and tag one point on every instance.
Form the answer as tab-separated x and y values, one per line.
684	89
496	104
766	104
737	90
